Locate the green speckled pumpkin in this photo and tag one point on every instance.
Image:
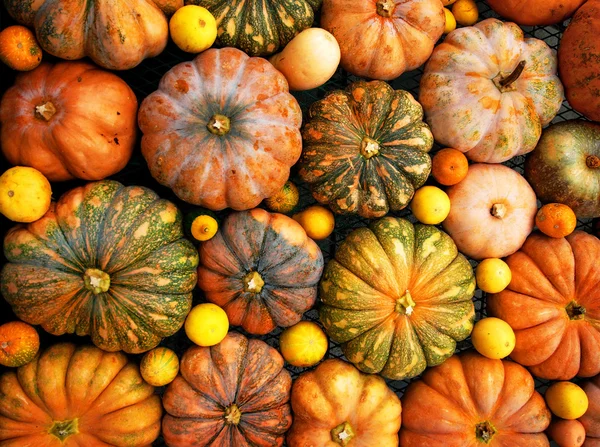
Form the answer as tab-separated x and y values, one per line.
398	297
105	260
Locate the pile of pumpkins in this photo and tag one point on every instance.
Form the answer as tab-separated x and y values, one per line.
224	131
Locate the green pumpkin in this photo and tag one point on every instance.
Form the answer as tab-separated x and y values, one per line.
397	296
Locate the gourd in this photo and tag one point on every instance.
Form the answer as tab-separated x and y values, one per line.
535	12
591	418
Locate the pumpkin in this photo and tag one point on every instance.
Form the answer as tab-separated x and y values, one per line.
239	110
552	305
492	211
336	405
262	269
284	200
381	39
117	35
471	400
78	396
106	260
69	120
159	366
365	149
535	12
232	394
591	419
19	49
566	432
19	343
397	296
487	91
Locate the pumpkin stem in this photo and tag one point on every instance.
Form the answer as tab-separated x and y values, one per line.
96	281
504	83
63	429
219	124
253	282
233	415
498	210
485	432
592	161
369	147
575	311
45	111
342	434
385	8
405	305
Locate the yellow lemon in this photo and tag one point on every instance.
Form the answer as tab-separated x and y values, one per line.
159	366
25	194
206	324
317	221
430	205
450	21
193	28
566	400
493	275
465	12
303	344
493	338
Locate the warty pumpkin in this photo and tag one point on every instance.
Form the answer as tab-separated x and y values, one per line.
397	296
78	396
106	260
239	111
262	269
591	418
535	12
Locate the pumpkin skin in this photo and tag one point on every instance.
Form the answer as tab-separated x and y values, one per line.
467	107
262	269
81	394
365	149
398	297
19	343
535	12
69	120
552	305
457	403
257	116
591	418
384	38
105	260
336	398
232	394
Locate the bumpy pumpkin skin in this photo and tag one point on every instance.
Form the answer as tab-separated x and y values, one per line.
94	398
398	297
535	12
262	269
107	261
335	398
233	394
591	418
365	149
467	107
553	305
451	404
246	100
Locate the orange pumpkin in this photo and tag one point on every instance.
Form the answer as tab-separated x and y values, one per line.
19	343
591	418
19	49
535	12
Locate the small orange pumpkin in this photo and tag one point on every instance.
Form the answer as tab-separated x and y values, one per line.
19	343
19	49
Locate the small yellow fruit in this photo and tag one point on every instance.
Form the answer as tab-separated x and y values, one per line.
566	400
25	194
284	200
493	275
206	324
317	221
303	344
204	227
193	28
159	366
430	205
450	21
493	338
465	12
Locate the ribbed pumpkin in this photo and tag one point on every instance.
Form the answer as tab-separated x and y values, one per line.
398	297
366	149
239	110
591	418
105	260
78	396
262	269
553	305
233	394
535	12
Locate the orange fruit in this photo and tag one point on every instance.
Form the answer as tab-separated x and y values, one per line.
449	166
556	220
317	221
19	48
159	366
285	200
566	400
19	343
303	344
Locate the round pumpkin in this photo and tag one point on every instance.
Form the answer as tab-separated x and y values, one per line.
232	394
471	400
492	211
535	12
107	261
365	149
381	39
262	269
239	110
69	120
19	49
78	396
336	405
487	91
591	418
552	305
397	296
19	343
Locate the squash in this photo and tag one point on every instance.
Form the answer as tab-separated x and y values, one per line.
492	211
535	12
259	27
591	419
381	39
19	343
239	110
567	432
336	405
397	296
552	305
565	167
285	200
487	91
159	366
80	396
365	149
262	269
233	394
19	49
106	260
471	400
116	35
69	120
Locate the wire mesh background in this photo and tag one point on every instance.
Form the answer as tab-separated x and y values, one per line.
144	80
